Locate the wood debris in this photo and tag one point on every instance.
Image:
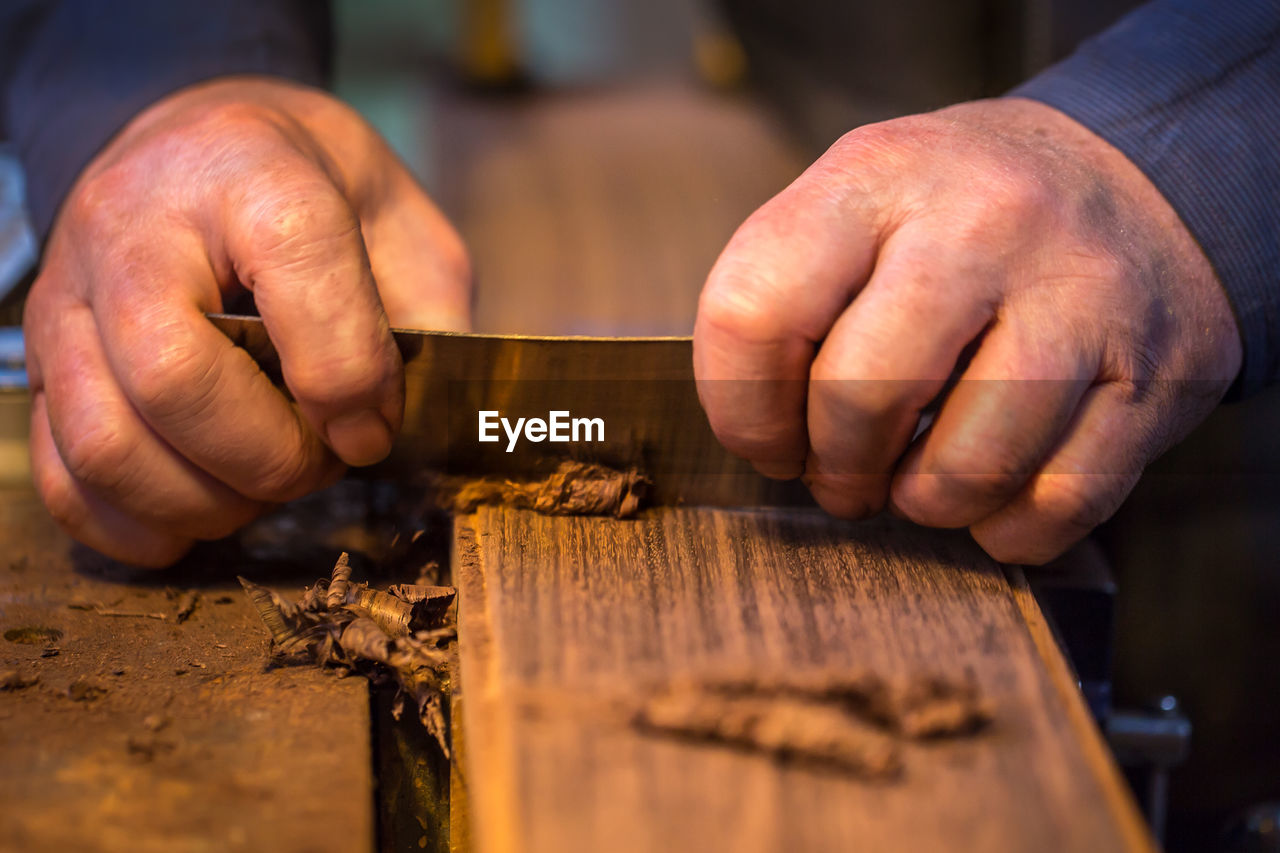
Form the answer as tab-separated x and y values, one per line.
576	488
935	707
148	747
920	707
85	689
33	635
155	722
786	727
186	606
404	635
11	679
105	610
853	721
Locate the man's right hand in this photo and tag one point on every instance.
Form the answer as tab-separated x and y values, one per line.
998	241
149	429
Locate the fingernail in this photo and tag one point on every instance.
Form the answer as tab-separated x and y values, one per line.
359	438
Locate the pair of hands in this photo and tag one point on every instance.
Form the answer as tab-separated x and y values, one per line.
998	237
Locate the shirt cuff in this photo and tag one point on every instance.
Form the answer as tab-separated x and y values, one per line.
1190	92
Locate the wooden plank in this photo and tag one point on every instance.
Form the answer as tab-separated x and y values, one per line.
561	616
178	738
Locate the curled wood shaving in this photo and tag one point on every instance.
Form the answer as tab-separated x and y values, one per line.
403	635
576	488
338	582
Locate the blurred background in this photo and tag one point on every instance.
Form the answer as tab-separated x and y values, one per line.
597	154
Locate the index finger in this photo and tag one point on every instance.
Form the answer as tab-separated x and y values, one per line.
777	289
202	394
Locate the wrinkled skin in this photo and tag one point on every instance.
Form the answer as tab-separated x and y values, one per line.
999	240
149	429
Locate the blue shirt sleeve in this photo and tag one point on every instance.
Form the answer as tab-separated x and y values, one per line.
1189	90
73	72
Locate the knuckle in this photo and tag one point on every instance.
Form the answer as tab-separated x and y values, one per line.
172	379
213	137
731	312
288	472
989	475
888	142
94	207
868	390
1015	192
356	380
227	118
740	303
757	441
281	479
295	215
1080	502
99	453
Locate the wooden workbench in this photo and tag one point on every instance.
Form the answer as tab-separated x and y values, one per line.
142	732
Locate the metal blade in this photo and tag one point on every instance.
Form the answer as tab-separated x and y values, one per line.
641	388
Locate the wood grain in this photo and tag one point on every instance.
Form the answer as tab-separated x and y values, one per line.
564	621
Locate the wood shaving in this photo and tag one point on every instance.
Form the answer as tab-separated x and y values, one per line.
920	707
404	635
339	582
853	721
934	707
130	614
186	606
576	488
786	728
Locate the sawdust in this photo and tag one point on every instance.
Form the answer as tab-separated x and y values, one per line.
576	488
405	635
932	707
787	728
853	721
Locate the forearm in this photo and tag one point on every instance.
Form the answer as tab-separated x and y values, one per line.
78	70
1189	91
